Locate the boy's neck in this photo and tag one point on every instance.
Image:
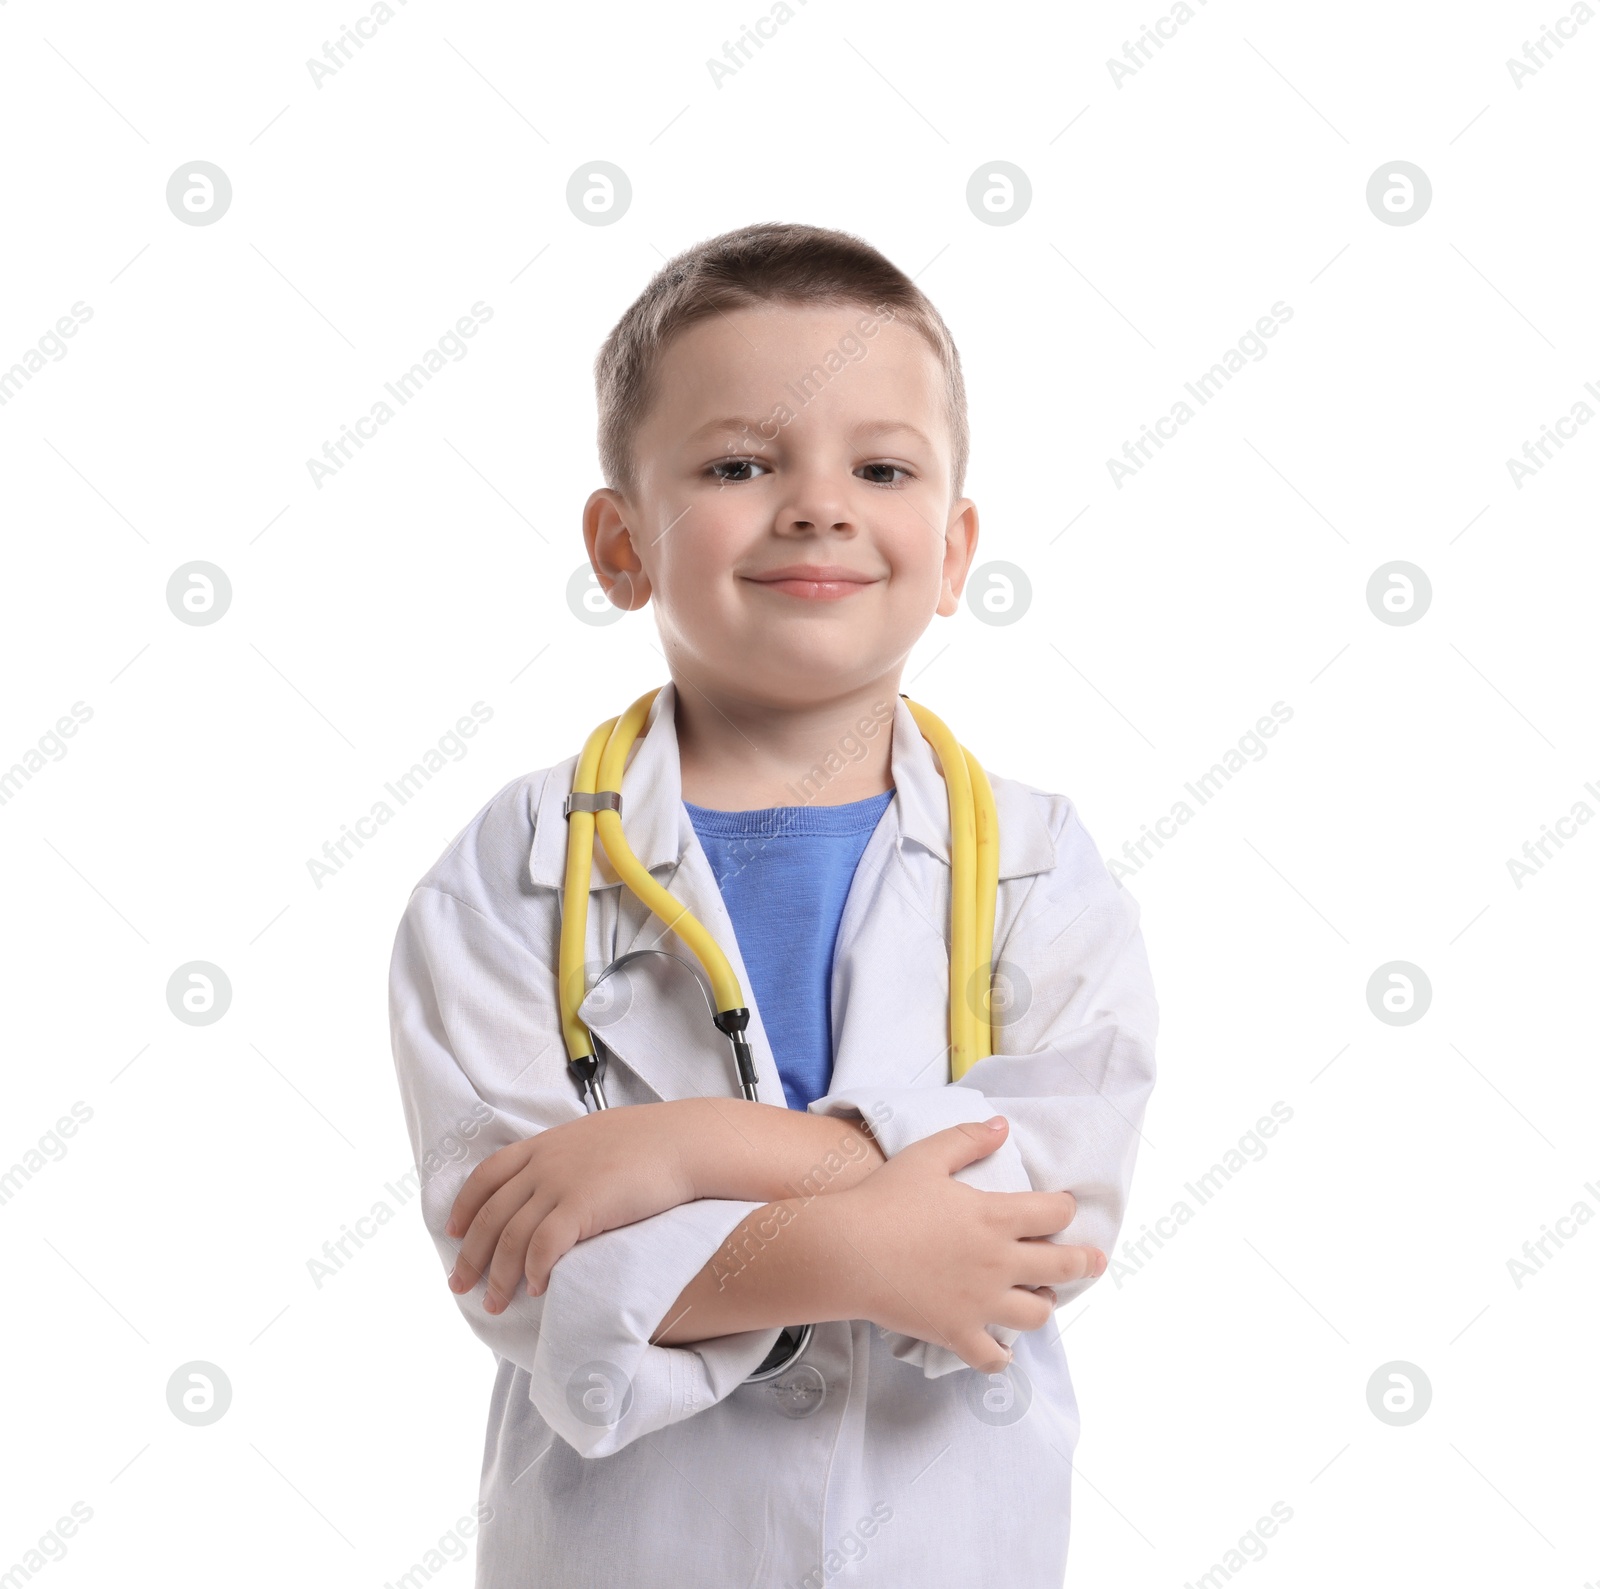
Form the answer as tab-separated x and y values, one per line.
735	754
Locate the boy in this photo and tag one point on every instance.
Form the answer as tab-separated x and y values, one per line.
783	433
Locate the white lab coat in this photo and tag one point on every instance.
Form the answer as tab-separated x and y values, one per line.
874	1460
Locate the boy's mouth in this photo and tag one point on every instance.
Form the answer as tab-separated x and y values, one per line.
813	581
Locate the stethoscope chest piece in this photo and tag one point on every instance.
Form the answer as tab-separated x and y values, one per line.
792	1341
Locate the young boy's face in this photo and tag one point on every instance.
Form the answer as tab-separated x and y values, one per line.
757	461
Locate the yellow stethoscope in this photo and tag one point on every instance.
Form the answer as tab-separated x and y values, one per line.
595	805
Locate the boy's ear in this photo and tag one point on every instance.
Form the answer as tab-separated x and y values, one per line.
960	547
609	542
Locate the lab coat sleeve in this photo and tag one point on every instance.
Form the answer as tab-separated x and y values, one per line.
481	1064
1076	1068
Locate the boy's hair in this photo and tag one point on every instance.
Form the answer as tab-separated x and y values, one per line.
772	262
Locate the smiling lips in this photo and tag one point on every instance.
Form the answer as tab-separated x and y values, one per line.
814	581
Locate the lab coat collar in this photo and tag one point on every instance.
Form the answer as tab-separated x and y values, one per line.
659	829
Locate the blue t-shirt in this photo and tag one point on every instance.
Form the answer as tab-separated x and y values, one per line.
784	873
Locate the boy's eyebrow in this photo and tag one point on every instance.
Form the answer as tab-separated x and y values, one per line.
745	424
884	427
733	422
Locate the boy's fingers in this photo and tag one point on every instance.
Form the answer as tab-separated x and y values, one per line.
1037	1213
957	1146
485	1180
488	1229
476	1249
463	1210
504	1272
1077	1263
1049	1263
555	1237
1025	1307
510	1261
982	1351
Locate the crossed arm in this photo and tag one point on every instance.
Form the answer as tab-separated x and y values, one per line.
842	1234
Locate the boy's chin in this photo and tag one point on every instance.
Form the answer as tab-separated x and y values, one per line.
792	676
814	686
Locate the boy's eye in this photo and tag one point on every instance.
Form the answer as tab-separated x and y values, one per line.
881	474
736	470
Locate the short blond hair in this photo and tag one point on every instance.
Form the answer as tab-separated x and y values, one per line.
772	262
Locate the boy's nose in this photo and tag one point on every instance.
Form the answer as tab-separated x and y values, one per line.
815	505
812	527
819	520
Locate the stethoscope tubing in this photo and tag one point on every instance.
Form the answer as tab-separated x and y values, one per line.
594	810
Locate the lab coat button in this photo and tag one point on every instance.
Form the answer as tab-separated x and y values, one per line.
798	1392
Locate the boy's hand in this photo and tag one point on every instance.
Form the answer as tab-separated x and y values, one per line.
529	1203
940	1259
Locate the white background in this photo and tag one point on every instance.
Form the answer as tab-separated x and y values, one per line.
1168	214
